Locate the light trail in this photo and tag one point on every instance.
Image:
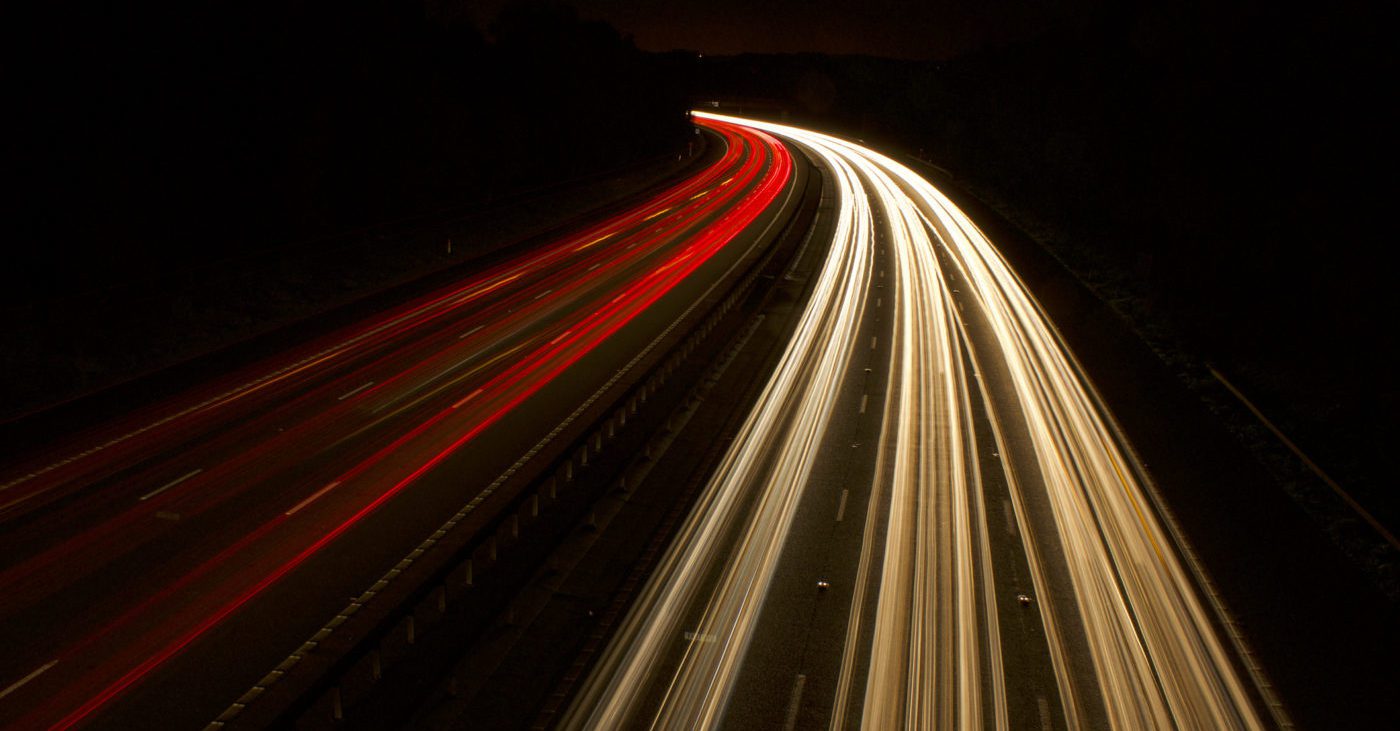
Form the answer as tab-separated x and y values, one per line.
932	647
303	454
776	446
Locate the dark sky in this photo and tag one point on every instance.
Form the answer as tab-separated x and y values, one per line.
927	29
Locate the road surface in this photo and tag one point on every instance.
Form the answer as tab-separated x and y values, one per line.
155	566
929	520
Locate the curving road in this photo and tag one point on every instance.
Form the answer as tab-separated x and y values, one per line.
929	520
153	567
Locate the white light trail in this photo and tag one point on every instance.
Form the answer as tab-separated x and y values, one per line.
934	654
774	452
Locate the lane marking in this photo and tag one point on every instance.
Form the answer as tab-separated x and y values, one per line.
591	243
863	399
541	294
312	499
420	399
361	387
169	485
1010	517
469	332
841	509
791	722
443	374
872	342
595	266
467	398
256	384
484	494
879	301
561	336
483	290
20	683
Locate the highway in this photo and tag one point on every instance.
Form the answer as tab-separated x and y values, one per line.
153	567
929	519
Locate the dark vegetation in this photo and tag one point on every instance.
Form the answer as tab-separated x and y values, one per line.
1218	174
158	152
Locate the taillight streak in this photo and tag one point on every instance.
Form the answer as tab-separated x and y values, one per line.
500	394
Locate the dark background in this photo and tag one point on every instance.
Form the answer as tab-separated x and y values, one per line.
1219	172
152	137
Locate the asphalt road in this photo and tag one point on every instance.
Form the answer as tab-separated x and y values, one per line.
153	567
929	520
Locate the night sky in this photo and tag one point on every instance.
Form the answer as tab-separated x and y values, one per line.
906	29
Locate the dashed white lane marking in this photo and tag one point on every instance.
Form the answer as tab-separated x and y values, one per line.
313	498
873	340
595	266
20	683
469	332
863	399
357	389
841	509
541	294
170	484
795	704
591	243
257	383
467	398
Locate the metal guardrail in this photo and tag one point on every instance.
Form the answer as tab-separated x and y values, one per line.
348	655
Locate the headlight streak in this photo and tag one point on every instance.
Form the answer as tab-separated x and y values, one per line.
789	420
1159	661
934	653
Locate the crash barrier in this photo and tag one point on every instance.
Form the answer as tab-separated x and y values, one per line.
467	572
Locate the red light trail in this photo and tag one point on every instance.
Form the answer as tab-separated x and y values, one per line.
368	411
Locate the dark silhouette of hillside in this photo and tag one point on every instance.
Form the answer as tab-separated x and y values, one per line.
148	138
